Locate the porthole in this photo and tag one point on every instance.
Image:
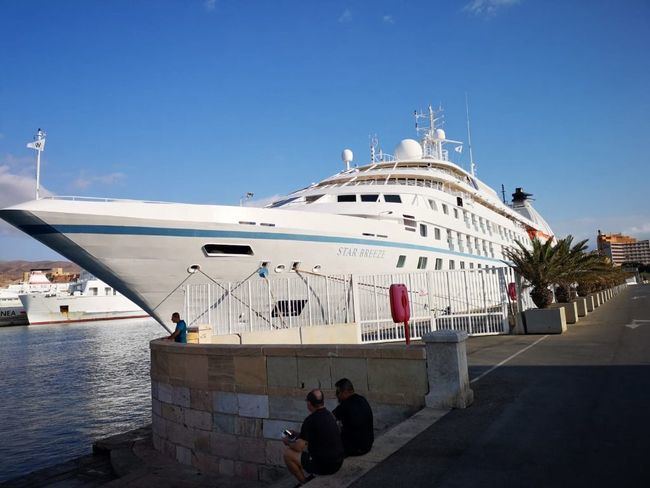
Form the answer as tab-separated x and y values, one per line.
316	269
193	269
279	268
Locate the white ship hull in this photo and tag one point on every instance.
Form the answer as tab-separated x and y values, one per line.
41	309
12	315
144	250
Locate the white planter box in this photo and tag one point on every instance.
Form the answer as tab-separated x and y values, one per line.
545	320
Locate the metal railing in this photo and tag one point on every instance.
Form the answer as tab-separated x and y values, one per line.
474	300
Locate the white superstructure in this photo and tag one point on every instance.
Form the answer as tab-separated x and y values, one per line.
87	299
414	210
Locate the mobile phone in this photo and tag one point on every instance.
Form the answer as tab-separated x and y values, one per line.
288	433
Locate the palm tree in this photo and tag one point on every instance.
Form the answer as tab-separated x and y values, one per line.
540	266
575	263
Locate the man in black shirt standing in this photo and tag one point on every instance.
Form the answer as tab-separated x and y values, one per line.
318	449
356	419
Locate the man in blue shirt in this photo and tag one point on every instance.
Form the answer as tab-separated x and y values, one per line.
180	334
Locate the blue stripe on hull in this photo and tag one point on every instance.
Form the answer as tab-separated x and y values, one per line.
230	234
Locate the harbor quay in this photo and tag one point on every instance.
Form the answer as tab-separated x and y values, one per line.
554	409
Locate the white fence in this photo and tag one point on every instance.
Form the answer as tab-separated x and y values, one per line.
475	301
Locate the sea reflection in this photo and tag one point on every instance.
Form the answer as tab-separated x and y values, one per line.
64	386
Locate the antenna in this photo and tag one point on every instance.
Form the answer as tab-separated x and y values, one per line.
503	193
374	143
472	166
38	145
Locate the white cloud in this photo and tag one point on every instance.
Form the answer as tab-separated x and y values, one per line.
487	8
14	189
210	5
388	19
345	17
84	181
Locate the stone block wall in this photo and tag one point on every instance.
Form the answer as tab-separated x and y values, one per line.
222	408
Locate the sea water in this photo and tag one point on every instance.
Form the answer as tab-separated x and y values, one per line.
64	386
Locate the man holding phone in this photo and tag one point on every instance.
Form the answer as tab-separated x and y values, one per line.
318	448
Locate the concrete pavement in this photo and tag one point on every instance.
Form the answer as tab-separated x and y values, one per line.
570	410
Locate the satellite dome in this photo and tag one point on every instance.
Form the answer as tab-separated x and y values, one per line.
347	155
408	149
440	135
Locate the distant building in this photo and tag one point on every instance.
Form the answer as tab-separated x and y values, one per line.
623	249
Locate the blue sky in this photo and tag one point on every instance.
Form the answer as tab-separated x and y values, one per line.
203	101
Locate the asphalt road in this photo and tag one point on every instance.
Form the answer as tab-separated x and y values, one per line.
572	410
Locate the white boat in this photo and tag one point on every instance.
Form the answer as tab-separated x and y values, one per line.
12	311
88	299
414	210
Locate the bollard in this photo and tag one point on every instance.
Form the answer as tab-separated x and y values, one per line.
447	370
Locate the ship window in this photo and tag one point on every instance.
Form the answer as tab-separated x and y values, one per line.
346	198
312	198
221	249
462	265
422	262
459	201
452	264
423	230
438	263
369	198
436	233
401	261
409	223
456	213
93	291
445	209
432	204
392	199
471	265
280	203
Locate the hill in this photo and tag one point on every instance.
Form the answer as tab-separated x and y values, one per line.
12	271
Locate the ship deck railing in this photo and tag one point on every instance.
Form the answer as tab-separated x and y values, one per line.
472	300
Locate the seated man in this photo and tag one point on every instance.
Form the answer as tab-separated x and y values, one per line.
318	448
356	419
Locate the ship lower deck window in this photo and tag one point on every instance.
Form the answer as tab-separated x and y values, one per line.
227	249
436	233
392	199
369	198
401	261
445	209
422	262
346	198
452	264
312	198
423	230
438	263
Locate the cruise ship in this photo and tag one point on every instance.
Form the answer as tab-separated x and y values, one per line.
413	210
